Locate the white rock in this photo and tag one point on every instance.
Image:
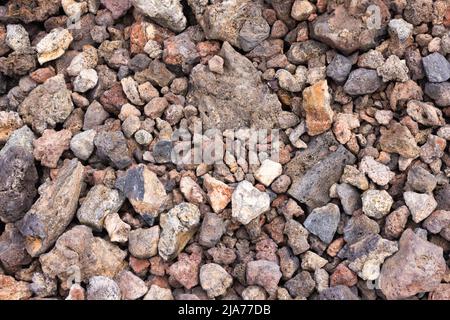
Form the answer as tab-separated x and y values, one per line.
377	172
168	13
130	88
118	230
82	144
268	172
86	80
17	37
248	202
53	45
421	205
376	203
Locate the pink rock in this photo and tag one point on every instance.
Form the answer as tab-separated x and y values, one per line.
117	7
186	269
50	146
264	273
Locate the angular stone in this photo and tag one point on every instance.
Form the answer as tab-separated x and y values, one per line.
323	222
53	45
301	10
301	286
10	289
268	171
50	146
421	205
439	92
248	202
112	147
359	227
316	103
131	286
52	212
263	273
158	293
214	279
212	229
117	8
437	221
301	52
396	222
292	82
362	81
47	105
86	80
78	255
12	249
99	202
144	191
376	203
17	37
418	266
350	198
338	293
297	236
219	193
130	88
168	13
436	67
425	113
178	226
102	288
312	261
393	69
398	139
95	115
339	68
186	269
18	175
82	144
192	191
18	63
118	230
9	122
143	243
377	172
31	11
224	105
420	180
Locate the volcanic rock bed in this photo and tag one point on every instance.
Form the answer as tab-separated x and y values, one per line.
353	96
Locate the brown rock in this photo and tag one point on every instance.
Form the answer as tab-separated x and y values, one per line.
186	269
316	102
342	275
12	249
10	289
219	194
50	146
264	273
398	139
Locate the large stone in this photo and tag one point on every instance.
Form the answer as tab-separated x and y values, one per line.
362	81
421	205
323	222
47	105
78	256
144	191
223	104
398	139
214	279
178	226
54	210
18	175
53	45
168	13
99	202
317	105
50	146
418	266
264	273
248	202
439	92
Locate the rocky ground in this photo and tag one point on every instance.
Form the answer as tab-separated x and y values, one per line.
326	121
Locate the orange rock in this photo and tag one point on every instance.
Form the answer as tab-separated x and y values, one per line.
10	289
316	103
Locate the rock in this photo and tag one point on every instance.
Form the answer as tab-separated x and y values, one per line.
18	176
312	181
350	198
323	222
162	151
268	172
421	205
17	37
52	212
281	184
178	226
79	255
312	261
376	203
157	73
168	13
367	255
219	194
18	63
86	80
85	60
76	292
143	243
421	180
28	12
9	122
53	45
253	293
117	8
143	137
118	230
439	92
339	68
10	289
398	139
424	113
99	202
418	266
186	269
130	88
95	115
377	172
47	105
393	69
290	82
396	222
212	229
215	64
214	279
158	293
130	285
437	221
442	292
102	288
359	227
144	191
297	236
338	293
223	105
436	67
191	190
433	149
418	11
112	147
50	146
400	29
181	50
362	81
82	144
248	202
265	274
301	10
354	177
346	30
301	285
43	286
316	103
301	52
12	249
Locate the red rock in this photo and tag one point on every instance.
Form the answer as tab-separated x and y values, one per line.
138	38
42	74
113	99
342	275
186	269
139	266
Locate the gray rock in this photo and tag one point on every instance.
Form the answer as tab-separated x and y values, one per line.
143	243
212	229
86	80
18	175
362	81
263	273
248	202
17	37
421	205
439	92
350	198
302	285
102	288
54	210
99	202
437	221
393	69
214	279
253	32
359	227
339	292
323	222
401	29
420	180
112	147
312	187
162	151
82	144
301	52
297	236
13	254
339	68
225	105
436	67
95	115
168	13
376	203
